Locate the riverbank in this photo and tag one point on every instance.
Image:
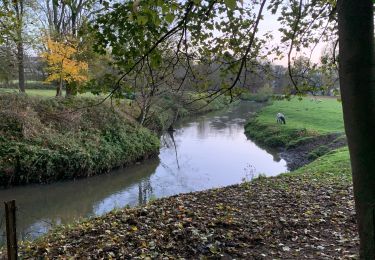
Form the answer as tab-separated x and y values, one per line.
308	213
313	128
44	140
305	214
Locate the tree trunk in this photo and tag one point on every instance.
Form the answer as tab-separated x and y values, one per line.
59	88
71	89
356	53
21	67
144	112
19	9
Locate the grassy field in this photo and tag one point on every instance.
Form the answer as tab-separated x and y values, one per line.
40	92
324	116
304	118
306	121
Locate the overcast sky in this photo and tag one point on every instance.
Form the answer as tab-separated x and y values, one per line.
270	23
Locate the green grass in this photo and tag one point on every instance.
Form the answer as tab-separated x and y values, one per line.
40	92
335	164
321	117
304	118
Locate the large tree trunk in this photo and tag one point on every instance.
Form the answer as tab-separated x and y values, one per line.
21	66
356	53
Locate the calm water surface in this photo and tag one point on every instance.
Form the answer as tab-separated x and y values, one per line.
204	152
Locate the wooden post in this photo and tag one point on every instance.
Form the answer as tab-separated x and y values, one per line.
10	215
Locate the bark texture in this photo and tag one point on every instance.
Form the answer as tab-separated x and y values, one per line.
356	39
21	66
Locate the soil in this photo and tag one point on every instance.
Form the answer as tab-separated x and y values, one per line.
299	156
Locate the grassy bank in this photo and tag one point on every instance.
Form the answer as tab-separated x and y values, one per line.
40	92
304	118
42	141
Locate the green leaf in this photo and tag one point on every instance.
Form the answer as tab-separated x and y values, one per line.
169	17
142	19
155	60
231	4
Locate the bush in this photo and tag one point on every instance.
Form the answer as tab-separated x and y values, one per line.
42	141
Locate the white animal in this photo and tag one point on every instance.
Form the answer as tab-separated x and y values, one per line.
280	118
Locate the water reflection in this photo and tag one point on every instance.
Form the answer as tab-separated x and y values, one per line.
209	151
42	206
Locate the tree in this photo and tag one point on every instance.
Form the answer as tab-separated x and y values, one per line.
303	24
19	8
63	66
15	25
357	85
6	21
8	64
63	19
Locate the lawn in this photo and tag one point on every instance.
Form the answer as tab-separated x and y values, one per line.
323	116
40	92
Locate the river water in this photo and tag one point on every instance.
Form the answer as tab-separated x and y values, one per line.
204	152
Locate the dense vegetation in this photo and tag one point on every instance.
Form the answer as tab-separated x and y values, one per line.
41	141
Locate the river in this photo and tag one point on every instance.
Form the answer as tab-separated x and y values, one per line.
204	152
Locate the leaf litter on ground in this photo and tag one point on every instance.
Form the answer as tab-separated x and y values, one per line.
285	217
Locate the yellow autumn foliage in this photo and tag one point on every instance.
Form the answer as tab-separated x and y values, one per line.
62	62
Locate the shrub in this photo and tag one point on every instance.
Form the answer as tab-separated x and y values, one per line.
42	141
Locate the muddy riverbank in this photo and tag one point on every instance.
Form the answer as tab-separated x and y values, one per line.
305	151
